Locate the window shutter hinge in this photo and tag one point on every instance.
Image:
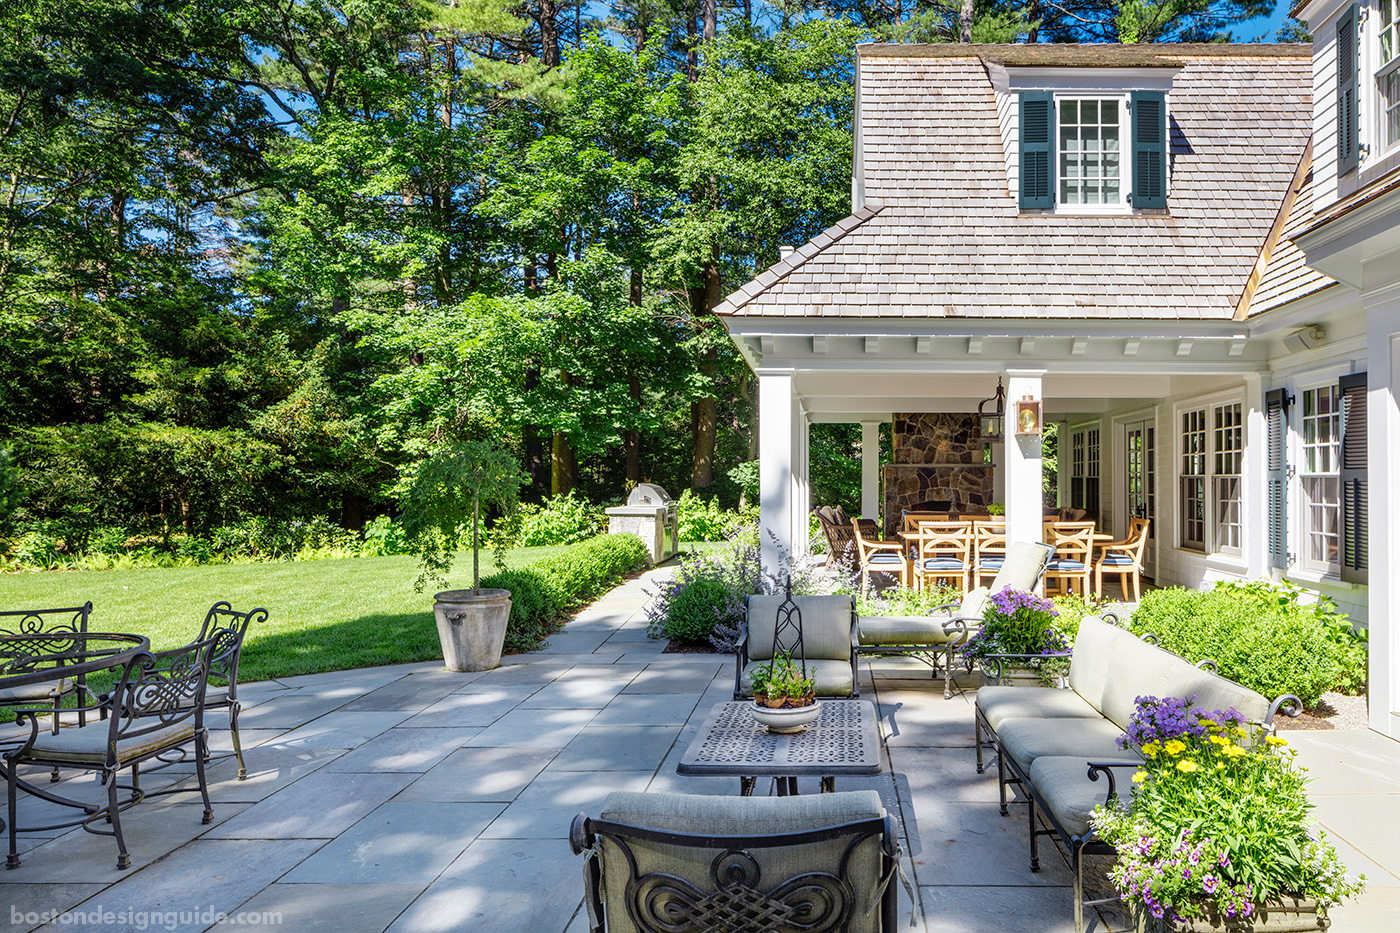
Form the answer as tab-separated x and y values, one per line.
1363	152
1291	471
1364	15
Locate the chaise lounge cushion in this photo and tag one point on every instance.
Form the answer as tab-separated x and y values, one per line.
910	630
999	704
1026	740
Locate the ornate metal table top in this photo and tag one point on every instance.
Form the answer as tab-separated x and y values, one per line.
33	658
843	740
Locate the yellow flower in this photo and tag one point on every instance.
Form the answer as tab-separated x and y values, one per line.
1234	751
1241	731
1219	765
1206	722
1139	777
1174	746
1187	765
1150	749
1275	740
1219	740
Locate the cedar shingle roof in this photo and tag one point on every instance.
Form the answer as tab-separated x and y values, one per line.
1286	275
941	234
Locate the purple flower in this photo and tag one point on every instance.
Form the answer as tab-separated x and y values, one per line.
1209	883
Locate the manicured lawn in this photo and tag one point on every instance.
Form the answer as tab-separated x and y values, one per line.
325	615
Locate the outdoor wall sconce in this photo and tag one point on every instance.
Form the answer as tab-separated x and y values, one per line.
992	423
1028	416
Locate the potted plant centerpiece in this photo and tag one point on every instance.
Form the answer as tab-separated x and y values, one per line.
1017	643
448	493
1216	835
784	695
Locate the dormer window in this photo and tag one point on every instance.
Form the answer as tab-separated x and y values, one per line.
1090	164
1073	148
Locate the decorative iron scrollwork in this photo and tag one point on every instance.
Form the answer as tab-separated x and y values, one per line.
814	902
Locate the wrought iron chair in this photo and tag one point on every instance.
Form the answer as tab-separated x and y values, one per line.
828	639
46	622
660	863
1124	558
878	556
224	666
156	707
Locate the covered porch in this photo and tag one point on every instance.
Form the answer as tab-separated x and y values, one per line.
1110	394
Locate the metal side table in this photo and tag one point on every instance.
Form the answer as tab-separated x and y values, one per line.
843	740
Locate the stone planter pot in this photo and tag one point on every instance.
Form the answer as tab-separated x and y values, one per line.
472	627
1287	916
785	719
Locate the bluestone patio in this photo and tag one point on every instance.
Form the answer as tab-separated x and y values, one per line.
408	798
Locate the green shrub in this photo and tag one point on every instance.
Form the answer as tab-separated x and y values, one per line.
383	537
1260	635
558	520
543	592
704	520
696	611
1072	609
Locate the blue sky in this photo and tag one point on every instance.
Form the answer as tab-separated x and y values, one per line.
1262	28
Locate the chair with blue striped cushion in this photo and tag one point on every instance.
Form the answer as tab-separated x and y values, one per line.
988	549
945	553
1125	559
1074	545
878	556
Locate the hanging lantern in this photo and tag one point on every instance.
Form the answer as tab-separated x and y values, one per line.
993	422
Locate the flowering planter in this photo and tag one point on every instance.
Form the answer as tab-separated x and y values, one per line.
779	717
1015	675
1288	916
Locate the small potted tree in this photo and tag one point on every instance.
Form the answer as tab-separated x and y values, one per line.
448	493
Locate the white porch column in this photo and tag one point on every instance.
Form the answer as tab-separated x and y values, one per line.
802	485
1383	481
776	460
1023	462
1254	498
1062	464
870	469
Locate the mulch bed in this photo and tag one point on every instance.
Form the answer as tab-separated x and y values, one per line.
688	647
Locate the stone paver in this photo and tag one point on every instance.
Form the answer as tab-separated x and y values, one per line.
410	798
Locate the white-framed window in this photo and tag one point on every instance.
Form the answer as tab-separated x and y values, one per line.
1084	469
1228	459
1193	473
1386	49
1320	477
1090	132
1209	477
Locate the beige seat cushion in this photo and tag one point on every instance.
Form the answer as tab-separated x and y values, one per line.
88	744
1025	740
999	704
30	692
834	678
1064	786
1214	692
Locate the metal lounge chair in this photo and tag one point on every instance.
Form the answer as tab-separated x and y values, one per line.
951	625
47	622
828	635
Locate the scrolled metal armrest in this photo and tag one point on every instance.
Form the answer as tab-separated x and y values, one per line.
1106	769
1287	704
1206	664
580	839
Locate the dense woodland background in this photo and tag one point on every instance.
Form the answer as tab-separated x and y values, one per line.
257	258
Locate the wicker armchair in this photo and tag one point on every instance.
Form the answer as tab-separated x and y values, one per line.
840	536
659	863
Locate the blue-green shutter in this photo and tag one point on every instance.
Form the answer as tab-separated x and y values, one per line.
1037	150
1149	149
1352	390
1348	131
1276	421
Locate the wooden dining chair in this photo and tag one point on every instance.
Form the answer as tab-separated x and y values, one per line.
1124	558
944	553
1074	547
878	556
988	549
910	521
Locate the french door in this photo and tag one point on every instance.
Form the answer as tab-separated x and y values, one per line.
1140	483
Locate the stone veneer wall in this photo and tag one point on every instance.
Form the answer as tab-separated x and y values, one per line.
938	466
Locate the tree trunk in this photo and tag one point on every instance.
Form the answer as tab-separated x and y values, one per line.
692	57
709	16
561	465
965	22
549	33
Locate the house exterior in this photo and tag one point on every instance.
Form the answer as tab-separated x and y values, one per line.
1178	251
